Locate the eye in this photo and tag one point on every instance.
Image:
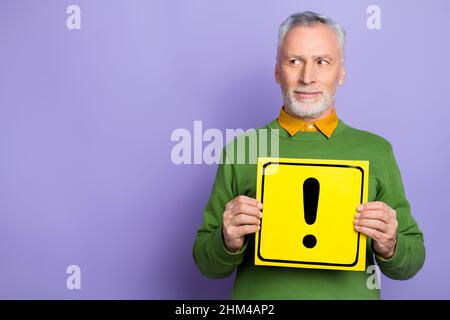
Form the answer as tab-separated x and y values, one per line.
295	61
323	61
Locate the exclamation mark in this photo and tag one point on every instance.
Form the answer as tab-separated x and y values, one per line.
311	188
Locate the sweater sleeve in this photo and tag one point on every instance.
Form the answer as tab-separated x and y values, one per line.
409	254
211	256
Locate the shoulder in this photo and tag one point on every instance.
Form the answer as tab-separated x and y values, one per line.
368	139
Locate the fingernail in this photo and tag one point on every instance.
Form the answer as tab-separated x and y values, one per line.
260	205
357	215
360	207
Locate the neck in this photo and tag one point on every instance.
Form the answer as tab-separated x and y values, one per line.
322	115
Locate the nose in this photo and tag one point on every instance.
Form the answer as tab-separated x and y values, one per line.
308	74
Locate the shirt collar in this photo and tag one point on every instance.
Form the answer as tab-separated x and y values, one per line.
293	125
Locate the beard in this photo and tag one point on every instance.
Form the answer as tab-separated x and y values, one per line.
307	109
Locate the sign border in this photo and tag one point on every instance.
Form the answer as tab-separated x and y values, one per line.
264	166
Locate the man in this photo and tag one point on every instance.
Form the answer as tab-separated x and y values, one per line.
309	68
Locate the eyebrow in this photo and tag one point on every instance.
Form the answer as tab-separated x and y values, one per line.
315	57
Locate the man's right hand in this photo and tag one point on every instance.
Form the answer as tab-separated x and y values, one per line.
242	216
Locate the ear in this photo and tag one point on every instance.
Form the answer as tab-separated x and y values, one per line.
277	73
342	76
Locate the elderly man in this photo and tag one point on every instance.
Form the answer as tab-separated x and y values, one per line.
309	68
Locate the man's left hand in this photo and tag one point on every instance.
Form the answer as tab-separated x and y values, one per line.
378	221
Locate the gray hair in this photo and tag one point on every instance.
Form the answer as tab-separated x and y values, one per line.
309	18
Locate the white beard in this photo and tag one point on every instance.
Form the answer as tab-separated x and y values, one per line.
307	110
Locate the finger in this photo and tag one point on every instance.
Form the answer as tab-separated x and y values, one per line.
377	205
246	229
374	205
374	215
242	219
373	224
246	200
373	233
229	204
245	209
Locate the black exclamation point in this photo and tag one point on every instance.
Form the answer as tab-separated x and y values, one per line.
311	188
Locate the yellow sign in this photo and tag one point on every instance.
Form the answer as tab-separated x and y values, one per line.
309	207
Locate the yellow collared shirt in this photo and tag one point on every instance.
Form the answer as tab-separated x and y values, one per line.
292	125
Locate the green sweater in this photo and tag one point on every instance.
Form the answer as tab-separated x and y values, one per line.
262	282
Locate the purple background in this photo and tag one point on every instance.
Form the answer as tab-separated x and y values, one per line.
86	117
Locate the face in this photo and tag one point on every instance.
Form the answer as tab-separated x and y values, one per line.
309	69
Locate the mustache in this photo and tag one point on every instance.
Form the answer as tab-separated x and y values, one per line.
306	90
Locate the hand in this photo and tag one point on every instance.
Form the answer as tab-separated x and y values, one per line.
378	221
242	216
